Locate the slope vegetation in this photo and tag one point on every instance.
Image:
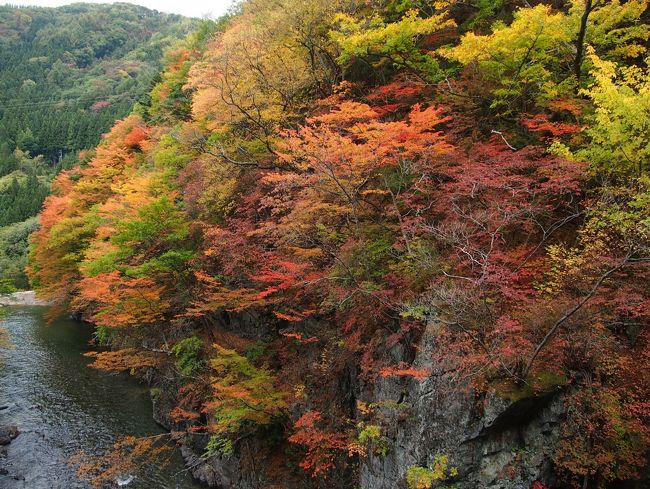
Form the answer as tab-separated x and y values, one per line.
320	191
66	75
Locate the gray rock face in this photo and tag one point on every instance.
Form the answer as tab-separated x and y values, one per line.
225	471
494	443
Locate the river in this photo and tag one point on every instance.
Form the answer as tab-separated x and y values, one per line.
61	406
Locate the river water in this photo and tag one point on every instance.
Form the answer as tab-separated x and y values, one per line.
61	406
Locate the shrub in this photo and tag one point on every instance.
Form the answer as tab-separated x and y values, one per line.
424	477
188	356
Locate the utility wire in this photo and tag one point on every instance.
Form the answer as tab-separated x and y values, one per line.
46	103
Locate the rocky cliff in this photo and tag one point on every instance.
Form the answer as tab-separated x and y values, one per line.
495	441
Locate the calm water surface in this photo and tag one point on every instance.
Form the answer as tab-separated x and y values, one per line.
61	406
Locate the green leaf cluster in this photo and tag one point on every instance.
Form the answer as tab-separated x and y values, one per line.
188	354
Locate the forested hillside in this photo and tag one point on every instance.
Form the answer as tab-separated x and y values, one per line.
66	75
378	244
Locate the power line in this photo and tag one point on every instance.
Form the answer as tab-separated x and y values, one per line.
77	101
46	104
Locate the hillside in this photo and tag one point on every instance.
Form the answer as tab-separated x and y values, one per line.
381	244
66	74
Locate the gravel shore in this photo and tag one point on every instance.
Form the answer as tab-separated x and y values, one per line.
27	298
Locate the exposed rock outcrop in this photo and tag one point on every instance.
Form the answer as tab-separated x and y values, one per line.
495	443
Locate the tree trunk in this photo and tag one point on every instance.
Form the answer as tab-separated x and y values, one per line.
580	42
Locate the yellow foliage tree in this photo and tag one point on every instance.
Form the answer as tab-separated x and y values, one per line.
619	133
529	58
257	75
517	61
397	43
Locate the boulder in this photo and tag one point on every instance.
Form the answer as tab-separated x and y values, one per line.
7	434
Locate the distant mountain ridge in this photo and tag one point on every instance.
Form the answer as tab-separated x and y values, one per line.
67	73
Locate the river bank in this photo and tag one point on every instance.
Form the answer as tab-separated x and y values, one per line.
24	298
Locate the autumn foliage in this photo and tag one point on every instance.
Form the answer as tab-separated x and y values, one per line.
306	192
323	447
126	456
